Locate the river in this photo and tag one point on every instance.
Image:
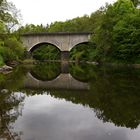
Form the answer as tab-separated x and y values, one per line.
62	101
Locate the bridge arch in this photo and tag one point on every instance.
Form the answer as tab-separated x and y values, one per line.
39	44
45	51
78	43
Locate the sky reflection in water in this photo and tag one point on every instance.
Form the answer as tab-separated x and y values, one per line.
94	103
45	117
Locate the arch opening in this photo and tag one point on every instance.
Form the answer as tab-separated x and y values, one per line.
82	52
45	51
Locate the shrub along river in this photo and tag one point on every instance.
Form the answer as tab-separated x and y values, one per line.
61	101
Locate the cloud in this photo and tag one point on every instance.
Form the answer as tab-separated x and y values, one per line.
47	11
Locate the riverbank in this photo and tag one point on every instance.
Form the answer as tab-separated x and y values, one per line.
8	68
32	61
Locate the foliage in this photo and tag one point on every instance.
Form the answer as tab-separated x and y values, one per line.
136	2
12	50
115	28
82	52
10	47
9	14
31	28
2	28
118	33
15	46
1	61
75	25
46	52
125	37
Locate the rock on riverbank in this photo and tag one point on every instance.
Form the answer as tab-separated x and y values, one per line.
5	69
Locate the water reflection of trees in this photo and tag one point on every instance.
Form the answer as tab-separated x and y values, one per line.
46	71
114	93
81	72
10	109
13	80
114	96
10	102
50	70
119	97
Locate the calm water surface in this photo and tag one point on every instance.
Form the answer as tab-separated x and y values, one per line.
53	101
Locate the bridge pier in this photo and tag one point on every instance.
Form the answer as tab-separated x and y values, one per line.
64	67
65	55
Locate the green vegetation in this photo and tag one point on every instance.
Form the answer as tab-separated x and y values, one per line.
31	28
46	52
83	52
10	47
115	39
116	35
1	61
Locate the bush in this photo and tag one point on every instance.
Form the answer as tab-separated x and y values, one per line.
11	50
14	47
46	52
1	61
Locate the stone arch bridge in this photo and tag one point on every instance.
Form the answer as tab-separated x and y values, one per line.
64	41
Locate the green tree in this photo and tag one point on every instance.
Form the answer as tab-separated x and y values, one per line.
125	36
115	31
31	28
10	47
9	14
46	52
113	36
136	2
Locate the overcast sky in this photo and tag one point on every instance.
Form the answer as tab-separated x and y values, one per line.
47	11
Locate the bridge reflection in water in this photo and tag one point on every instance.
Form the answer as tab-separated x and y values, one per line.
63	81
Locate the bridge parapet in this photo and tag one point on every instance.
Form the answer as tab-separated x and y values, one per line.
56	33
